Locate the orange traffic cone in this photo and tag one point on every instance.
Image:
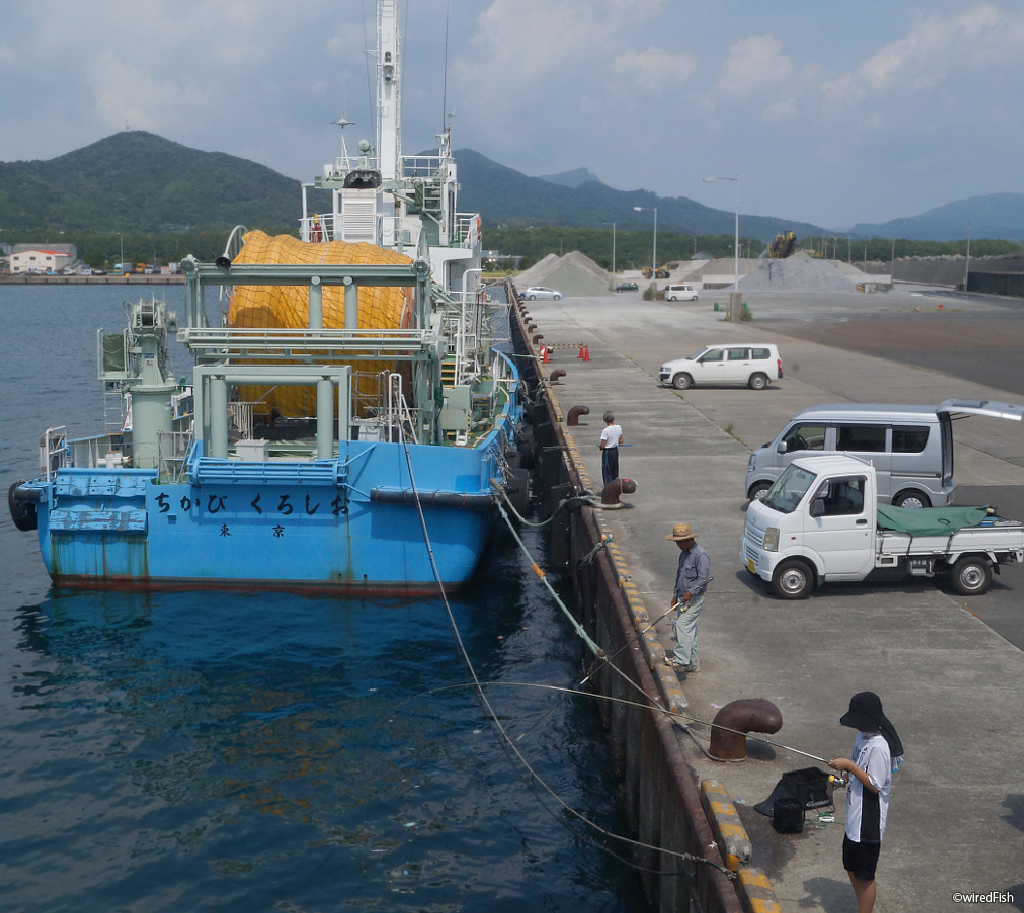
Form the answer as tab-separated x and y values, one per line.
545	350
580	353
586	353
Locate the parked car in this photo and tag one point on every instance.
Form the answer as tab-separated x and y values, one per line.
538	291
680	293
753	365
628	287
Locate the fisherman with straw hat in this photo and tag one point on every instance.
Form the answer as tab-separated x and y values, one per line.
692	578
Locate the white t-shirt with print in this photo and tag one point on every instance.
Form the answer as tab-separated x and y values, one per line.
866	811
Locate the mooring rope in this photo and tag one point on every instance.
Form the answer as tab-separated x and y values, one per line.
505	739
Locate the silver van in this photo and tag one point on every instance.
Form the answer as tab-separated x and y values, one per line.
911	447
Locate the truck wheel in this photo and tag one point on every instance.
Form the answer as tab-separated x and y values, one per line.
911	498
758	489
682	381
757	382
793	579
971	576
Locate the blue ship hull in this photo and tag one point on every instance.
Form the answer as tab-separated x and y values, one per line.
350	524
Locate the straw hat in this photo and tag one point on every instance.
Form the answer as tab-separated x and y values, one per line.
682	531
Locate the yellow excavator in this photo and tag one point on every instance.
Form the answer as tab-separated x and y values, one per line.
783	246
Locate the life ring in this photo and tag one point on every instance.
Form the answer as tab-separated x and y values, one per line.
23	513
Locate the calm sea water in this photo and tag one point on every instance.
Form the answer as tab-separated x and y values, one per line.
200	751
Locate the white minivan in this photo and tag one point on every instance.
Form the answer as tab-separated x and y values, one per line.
911	447
680	293
754	365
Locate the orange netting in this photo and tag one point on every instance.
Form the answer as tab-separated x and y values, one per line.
288	306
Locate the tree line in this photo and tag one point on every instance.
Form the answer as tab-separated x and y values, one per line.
632	249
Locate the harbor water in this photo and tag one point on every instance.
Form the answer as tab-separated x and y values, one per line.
247	751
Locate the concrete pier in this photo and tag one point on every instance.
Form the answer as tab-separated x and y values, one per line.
950	682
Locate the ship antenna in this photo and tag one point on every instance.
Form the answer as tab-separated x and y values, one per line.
447	19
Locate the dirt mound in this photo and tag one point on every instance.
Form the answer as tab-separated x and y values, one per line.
798	273
574	275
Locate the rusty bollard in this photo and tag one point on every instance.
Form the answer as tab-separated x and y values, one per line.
610	493
573	418
537	338
751	715
555	375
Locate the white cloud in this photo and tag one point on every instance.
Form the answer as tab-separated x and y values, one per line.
655	70
982	37
755	64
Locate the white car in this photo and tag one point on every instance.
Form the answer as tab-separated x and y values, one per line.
680	293
538	291
754	365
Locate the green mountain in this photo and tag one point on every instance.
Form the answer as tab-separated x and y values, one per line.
508	199
135	181
138	182
992	215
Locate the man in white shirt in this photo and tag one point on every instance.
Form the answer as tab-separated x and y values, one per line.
611	439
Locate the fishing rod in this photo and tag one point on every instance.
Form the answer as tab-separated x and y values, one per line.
633	640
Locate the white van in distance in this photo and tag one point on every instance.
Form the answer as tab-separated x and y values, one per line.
680	293
753	365
910	447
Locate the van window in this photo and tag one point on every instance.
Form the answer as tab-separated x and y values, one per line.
713	355
843	496
738	354
909	438
805	436
760	353
860	438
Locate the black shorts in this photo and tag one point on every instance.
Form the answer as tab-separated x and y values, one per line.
860	859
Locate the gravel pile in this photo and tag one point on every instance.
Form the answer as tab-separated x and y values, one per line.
798	273
574	275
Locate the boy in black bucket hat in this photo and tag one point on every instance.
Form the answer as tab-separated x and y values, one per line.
877	752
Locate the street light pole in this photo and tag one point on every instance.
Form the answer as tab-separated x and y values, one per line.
613	246
967	265
654	248
736	236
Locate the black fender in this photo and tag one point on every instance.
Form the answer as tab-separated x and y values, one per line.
22	505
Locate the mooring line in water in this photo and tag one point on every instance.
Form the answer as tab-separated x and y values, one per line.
591	645
674	714
507	744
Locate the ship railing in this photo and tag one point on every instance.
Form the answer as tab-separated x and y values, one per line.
99	451
53	451
319	227
240	418
286	342
420	166
399	415
173	449
467	229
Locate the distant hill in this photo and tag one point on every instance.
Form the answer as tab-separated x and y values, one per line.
135	181
510	199
993	215
572	178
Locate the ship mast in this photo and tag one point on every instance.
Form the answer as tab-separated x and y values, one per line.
389	105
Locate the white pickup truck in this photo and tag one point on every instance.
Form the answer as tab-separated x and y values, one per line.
821	521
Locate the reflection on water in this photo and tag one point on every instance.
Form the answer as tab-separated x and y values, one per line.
251	751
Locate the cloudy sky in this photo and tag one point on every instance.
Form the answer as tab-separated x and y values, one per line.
828	113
